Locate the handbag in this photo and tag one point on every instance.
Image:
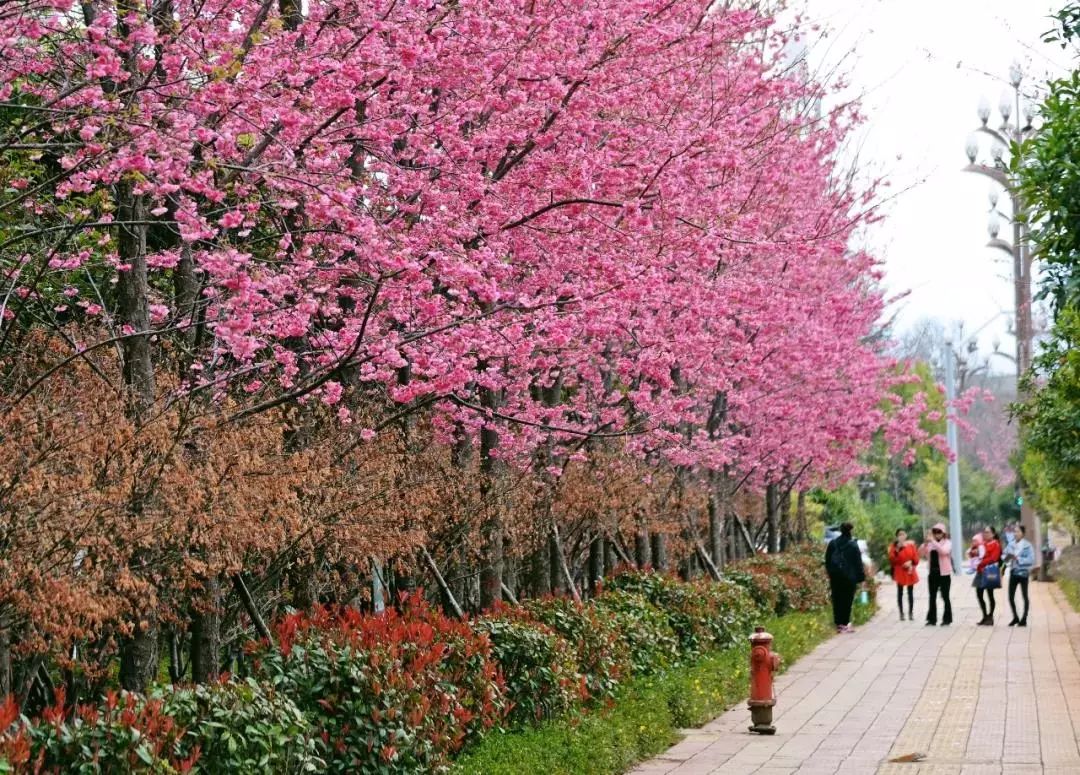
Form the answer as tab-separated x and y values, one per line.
989	577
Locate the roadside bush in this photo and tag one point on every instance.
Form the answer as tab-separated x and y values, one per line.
409	690
802	571
764	588
733	611
396	693
792	581
603	658
538	666
125	734
697	615
647	715
242	727
644	630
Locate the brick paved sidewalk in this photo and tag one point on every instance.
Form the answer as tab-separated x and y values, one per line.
975	700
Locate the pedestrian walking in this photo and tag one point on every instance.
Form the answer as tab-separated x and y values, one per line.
904	557
936	550
843	563
1049	553
988	576
1020	555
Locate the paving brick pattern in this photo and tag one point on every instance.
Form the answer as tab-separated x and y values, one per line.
974	700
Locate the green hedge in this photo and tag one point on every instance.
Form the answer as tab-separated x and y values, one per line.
547	686
647	713
231	727
1071	590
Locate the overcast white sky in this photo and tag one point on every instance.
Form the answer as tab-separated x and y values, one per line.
922	66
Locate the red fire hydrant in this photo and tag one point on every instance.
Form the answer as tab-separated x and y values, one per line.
763	663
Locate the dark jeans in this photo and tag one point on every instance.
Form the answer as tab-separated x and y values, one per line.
937	583
1022	582
987	609
843	596
910	598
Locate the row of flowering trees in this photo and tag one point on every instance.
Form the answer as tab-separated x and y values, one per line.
478	296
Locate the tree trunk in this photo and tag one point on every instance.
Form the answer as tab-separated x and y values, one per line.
558	582
406	580
772	515
743	538
5	657
186	291
686	568
659	551
642	555
206	635
139	656
303	587
138	652
448	594
800	517
718	506
785	520
560	557
291	13
133	307
459	565
491	558
611	557
251	608
378	588
596	563
510	571
540	571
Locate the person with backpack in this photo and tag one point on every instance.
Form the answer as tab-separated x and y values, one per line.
936	550
904	558
988	576
1020	555
844	565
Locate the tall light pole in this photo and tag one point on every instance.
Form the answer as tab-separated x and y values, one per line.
955	525
1003	138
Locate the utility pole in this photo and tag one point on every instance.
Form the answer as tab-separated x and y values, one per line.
955	524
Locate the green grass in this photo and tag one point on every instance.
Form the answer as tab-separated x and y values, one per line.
1071	590
644	719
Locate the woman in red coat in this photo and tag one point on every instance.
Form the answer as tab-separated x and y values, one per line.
904	558
991	556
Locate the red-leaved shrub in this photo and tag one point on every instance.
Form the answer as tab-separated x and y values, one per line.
398	692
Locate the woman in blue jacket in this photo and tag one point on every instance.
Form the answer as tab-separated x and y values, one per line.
1020	555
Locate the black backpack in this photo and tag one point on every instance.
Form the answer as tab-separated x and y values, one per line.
834	561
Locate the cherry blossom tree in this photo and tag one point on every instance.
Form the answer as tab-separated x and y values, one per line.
486	241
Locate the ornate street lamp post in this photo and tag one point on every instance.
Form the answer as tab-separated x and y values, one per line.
1008	135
